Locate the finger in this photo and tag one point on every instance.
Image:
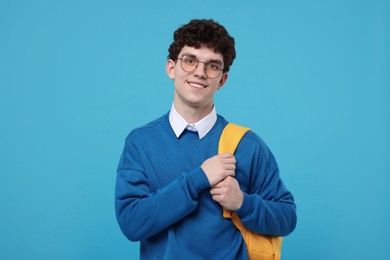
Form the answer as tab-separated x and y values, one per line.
228	179
226	155
231	160
215	191
218	185
216	198
228	172
231	167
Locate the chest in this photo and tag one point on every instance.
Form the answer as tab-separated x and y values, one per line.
166	160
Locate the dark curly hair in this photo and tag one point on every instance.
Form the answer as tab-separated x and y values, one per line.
204	32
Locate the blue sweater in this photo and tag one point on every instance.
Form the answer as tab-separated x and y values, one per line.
162	195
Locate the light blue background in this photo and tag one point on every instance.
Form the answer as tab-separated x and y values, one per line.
311	77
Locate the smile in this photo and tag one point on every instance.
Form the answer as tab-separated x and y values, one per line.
196	85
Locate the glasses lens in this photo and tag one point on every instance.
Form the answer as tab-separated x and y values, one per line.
188	63
213	69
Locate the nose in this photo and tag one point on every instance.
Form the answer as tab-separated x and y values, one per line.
200	70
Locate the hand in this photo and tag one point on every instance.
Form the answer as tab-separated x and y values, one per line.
218	167
228	193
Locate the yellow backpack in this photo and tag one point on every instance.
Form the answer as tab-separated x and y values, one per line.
260	247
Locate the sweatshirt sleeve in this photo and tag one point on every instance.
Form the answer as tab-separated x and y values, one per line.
142	213
268	207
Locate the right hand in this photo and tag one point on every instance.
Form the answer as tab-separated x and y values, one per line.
218	167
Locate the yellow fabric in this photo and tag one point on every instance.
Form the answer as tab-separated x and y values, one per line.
260	247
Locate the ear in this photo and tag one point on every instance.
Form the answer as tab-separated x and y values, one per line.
223	80
170	68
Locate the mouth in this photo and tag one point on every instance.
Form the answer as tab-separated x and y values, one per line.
197	85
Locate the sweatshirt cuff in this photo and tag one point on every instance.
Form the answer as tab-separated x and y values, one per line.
247	206
197	182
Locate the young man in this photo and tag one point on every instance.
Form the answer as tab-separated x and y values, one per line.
171	184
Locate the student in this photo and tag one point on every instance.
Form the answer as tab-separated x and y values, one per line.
171	184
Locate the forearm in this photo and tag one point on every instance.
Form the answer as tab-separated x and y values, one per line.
142	214
268	206
275	218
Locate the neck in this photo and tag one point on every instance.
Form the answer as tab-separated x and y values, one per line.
193	114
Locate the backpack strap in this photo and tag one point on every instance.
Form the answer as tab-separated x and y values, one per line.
231	137
228	142
258	246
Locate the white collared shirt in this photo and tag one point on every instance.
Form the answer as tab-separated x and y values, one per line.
203	126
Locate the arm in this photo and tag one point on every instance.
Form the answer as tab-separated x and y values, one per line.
143	210
268	207
258	195
142	213
272	211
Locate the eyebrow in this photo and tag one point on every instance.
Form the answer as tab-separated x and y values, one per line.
194	56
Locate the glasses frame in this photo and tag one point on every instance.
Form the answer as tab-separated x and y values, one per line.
197	63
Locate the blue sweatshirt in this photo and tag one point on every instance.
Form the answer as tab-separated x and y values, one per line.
163	199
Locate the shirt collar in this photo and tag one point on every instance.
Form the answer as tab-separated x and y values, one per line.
203	126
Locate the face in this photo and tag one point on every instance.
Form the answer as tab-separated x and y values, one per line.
195	89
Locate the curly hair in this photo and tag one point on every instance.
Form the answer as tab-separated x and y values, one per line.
204	32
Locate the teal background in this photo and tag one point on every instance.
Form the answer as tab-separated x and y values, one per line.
311	78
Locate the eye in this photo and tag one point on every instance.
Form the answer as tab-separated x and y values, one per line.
214	66
189	60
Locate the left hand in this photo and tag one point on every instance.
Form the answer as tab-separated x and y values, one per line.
228	193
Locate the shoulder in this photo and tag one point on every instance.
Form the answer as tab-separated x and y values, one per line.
157	126
255	139
253	142
250	139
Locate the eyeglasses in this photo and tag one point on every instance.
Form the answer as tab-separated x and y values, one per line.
212	68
